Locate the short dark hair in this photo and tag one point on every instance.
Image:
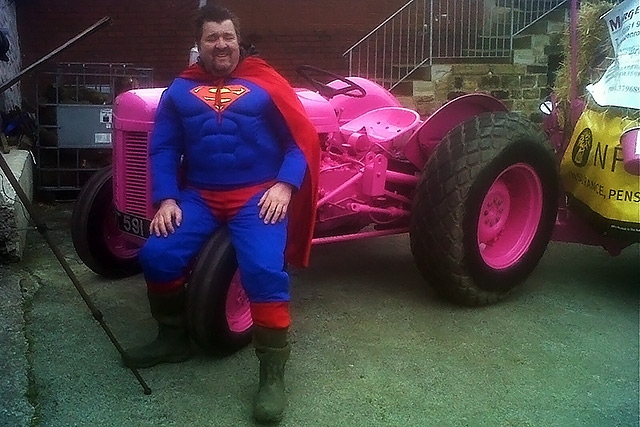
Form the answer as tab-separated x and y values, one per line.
215	13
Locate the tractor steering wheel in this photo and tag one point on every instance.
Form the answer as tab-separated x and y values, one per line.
351	89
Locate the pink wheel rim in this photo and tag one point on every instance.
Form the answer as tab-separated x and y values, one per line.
120	246
510	215
237	306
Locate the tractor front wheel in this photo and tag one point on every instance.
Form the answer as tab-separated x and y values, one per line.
485	208
94	230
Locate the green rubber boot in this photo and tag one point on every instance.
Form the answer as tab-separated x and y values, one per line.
172	345
272	349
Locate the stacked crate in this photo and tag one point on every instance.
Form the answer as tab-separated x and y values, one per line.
74	118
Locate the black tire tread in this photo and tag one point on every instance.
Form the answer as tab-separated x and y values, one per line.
94	203
437	226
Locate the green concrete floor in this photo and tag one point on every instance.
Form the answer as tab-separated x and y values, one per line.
372	346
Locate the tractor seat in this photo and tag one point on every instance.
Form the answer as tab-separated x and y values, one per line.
389	127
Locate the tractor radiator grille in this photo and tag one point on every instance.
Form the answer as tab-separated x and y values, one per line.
135	173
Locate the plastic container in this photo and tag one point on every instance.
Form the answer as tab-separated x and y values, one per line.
630	141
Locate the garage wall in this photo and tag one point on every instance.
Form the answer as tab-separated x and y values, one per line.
159	33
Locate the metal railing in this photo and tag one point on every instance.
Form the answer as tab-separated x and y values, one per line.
425	31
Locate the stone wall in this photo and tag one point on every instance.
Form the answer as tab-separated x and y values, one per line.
14	218
521	85
11	97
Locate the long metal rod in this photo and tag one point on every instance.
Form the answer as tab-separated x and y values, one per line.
444	30
378	27
344	185
360	235
573	56
540	16
53	53
42	228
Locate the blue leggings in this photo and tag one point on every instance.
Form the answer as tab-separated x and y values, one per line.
259	249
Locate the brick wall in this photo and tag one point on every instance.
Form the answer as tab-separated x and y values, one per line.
292	33
159	33
162	43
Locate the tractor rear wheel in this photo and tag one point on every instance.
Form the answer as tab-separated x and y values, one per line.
94	230
218	314
484	208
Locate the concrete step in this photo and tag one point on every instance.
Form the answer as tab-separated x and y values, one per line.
493	42
487	53
13	216
423	72
404	88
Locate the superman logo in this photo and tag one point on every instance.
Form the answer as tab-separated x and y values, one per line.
219	98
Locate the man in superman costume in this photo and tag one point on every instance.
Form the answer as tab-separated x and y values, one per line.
249	157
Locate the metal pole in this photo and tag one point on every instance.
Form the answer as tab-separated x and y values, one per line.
41	226
573	58
43	229
53	53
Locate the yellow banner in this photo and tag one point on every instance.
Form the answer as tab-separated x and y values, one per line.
592	169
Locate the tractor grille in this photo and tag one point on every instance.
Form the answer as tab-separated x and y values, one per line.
135	173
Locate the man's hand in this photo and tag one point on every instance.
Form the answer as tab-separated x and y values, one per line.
274	202
169	213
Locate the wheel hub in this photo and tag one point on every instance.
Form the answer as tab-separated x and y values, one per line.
494	212
510	215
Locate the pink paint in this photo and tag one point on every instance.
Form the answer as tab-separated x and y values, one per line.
630	142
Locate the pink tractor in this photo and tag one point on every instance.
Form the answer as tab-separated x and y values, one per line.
476	188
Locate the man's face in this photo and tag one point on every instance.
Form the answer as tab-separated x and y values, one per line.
219	47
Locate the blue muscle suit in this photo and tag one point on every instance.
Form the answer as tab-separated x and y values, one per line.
231	144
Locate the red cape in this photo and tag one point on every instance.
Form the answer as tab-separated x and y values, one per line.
302	209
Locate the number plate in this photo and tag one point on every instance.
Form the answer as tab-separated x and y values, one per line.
132	224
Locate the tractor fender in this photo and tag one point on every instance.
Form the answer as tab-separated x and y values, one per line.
429	134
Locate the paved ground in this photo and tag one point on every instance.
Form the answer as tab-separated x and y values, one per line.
372	347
